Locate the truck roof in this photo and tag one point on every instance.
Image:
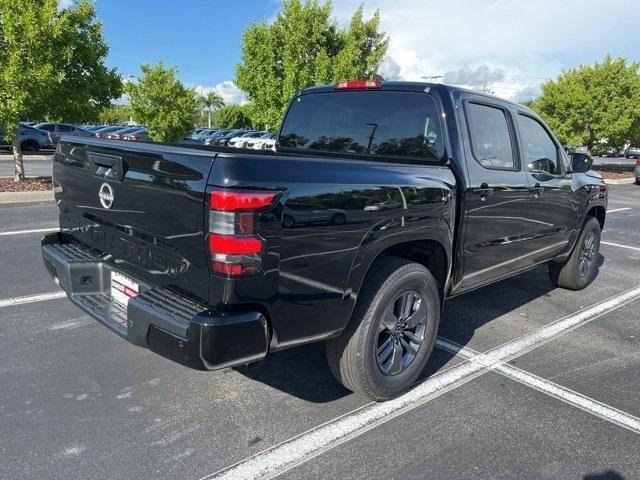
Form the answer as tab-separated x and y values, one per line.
417	87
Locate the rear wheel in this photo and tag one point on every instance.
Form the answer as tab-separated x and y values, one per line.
391	334
288	221
581	267
30	146
338	219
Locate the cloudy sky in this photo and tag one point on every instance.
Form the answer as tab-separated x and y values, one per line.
507	46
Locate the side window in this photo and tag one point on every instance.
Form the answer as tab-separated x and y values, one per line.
490	137
65	128
540	151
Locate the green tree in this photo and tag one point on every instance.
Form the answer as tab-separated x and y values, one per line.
209	102
304	46
51	66
592	103
232	116
161	102
114	114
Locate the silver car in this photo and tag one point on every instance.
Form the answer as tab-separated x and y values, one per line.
58	129
632	151
31	139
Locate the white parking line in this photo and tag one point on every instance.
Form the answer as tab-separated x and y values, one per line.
548	387
618	210
621	246
9	302
297	450
35	230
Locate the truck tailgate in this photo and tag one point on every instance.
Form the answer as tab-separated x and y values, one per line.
142	205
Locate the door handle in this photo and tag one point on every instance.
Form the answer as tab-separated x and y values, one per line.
537	189
484	191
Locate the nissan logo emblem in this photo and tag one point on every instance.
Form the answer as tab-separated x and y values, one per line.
105	194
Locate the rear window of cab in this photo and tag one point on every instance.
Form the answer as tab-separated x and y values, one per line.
368	123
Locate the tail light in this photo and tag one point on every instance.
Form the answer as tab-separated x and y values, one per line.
233	243
358	84
638	162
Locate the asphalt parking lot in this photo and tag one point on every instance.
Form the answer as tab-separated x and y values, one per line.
36	165
527	381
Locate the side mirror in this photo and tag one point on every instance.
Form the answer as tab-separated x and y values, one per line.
580	162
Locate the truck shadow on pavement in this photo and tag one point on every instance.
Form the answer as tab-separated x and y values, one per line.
303	371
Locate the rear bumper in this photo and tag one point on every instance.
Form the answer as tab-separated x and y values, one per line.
163	321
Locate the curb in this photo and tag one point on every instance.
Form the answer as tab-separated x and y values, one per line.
23	197
620	181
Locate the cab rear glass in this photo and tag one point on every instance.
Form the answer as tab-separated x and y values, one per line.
366	123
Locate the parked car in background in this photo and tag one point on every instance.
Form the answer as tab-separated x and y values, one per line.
632	151
118	134
58	129
103	132
241	141
141	135
31	139
223	140
94	128
269	144
211	133
257	143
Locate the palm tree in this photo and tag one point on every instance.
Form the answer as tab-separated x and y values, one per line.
210	102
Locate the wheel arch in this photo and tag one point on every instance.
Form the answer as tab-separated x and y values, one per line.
599	212
430	252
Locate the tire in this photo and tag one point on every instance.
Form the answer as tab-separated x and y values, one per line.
581	268
338	219
288	221
30	146
357	357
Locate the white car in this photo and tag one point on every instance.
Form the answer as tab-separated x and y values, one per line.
241	141
256	143
269	145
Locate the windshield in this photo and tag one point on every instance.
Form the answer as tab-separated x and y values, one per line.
382	123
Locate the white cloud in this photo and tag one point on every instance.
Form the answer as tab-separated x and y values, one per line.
516	44
228	90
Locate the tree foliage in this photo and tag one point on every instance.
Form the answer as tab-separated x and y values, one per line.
161	102
304	46
114	114
589	104
51	65
232	116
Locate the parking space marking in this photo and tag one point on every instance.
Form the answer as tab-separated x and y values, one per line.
9	302
621	246
35	230
297	450
618	210
589	405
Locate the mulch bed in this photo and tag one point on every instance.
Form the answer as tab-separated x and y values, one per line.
30	184
614	172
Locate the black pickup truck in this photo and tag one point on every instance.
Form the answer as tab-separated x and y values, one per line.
382	200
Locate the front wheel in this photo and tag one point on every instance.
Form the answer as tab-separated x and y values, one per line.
581	268
391	334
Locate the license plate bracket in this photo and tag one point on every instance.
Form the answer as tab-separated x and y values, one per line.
123	288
